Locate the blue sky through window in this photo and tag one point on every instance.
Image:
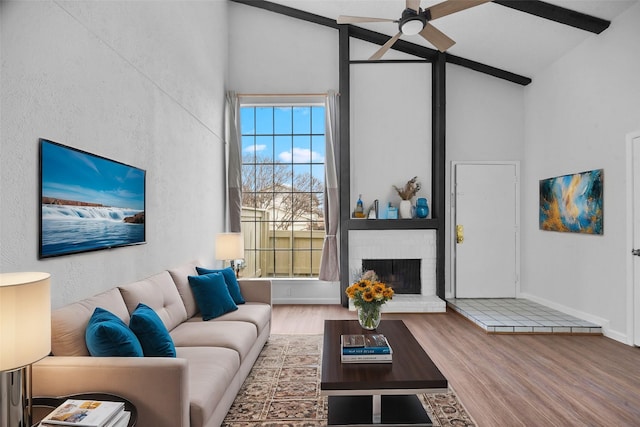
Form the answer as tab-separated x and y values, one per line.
293	135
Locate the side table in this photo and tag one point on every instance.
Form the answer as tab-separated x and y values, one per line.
42	406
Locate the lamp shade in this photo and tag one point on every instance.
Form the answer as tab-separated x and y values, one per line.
229	246
25	319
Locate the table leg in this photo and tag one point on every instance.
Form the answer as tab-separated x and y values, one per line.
376	416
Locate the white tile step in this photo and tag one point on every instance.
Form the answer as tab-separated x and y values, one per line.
412	303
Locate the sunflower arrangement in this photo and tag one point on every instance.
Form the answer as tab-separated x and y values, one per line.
368	292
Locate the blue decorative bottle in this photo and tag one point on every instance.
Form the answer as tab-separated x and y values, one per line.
422	208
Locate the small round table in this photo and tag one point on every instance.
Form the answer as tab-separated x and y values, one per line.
42	406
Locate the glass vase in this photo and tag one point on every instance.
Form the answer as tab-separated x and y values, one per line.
369	317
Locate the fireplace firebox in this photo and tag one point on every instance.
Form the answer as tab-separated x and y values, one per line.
403	275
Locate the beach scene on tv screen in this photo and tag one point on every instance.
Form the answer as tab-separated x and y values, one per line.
88	202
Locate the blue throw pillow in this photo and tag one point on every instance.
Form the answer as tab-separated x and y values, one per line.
230	279
106	335
211	295
153	335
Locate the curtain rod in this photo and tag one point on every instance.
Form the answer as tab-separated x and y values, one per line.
275	95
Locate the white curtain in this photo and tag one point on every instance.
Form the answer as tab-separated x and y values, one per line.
234	162
329	264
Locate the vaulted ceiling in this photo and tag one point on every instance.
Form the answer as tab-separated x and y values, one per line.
519	36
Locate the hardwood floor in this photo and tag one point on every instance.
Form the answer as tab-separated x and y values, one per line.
512	380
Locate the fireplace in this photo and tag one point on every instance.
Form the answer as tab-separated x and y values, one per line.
396	245
403	275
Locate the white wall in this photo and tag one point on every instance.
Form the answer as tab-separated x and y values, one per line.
578	112
138	82
485	122
275	54
390	131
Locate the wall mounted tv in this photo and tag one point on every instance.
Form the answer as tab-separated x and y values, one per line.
88	202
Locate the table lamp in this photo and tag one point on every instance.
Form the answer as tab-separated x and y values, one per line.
230	247
25	338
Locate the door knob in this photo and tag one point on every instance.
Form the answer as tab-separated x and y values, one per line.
460	234
635	252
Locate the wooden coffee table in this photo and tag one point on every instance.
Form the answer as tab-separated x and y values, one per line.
378	393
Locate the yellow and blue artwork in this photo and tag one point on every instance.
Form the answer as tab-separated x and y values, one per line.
572	203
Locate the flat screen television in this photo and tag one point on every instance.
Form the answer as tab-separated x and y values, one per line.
88	202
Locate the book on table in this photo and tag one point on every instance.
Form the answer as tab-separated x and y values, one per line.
365	348
87	413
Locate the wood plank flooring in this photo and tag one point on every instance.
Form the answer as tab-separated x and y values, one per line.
512	380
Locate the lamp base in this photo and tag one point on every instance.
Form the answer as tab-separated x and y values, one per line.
14	399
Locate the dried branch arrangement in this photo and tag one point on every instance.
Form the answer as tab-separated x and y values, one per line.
409	190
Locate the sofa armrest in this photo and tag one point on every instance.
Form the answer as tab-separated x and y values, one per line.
157	386
256	290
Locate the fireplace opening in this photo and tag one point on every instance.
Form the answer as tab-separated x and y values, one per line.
403	275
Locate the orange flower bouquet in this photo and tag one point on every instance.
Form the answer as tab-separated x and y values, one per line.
368	295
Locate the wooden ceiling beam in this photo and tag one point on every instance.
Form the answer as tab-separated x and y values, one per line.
557	14
378	38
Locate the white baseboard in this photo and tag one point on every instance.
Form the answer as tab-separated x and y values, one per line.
314	301
604	323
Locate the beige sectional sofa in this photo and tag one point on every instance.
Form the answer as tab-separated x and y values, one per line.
195	389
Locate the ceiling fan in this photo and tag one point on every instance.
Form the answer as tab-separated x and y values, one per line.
415	20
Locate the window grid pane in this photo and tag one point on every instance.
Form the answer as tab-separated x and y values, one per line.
283	189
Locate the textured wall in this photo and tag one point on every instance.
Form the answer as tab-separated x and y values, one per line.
138	82
579	111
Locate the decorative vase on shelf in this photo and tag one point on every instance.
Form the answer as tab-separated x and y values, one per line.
405	209
369	317
422	208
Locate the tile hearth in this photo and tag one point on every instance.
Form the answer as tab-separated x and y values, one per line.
497	315
412	303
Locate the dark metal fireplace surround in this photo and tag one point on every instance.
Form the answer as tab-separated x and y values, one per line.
403	275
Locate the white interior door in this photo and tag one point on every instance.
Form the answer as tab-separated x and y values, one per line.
486	247
635	147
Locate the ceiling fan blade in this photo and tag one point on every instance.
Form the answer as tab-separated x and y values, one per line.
452	6
344	19
436	37
385	47
413	4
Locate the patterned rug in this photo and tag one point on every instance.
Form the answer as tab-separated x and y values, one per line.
283	389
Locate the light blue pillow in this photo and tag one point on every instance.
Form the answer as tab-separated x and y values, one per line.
230	279
106	335
211	295
151	332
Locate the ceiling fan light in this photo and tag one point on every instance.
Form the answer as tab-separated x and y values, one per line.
412	26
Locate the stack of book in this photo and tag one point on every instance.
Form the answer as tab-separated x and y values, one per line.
88	413
369	348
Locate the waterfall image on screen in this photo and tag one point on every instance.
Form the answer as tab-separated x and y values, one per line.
88	202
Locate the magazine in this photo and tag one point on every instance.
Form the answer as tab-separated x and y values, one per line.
84	413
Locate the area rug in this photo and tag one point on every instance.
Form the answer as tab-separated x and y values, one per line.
283	389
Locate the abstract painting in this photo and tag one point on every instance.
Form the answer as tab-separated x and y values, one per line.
572	203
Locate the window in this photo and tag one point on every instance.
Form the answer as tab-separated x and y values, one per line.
283	150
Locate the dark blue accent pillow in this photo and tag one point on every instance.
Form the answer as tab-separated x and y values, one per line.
106	335
211	295
153	335
230	279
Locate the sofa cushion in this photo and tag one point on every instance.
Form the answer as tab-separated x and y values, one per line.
256	313
230	279
212	295
208	382
160	293
108	336
151	332
180	277
238	336
68	324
